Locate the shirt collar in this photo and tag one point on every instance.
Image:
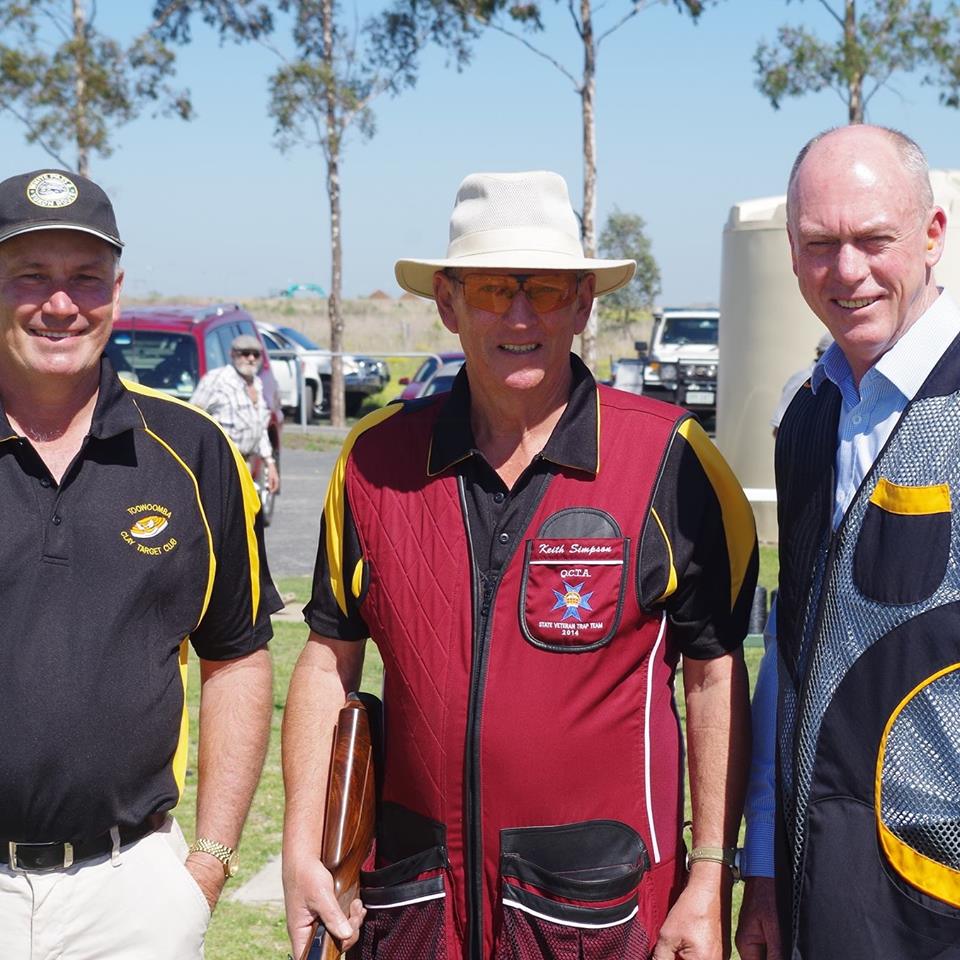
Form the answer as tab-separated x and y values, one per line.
908	363
113	413
573	442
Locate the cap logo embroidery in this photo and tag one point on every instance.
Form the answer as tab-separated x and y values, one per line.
52	190
155	519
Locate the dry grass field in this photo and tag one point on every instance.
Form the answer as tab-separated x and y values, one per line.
404	325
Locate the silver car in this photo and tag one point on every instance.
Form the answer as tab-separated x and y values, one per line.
289	348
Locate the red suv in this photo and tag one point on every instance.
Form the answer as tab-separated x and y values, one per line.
170	348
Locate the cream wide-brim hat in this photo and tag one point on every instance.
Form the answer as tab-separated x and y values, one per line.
514	221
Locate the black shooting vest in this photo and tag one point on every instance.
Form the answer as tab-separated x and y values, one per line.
868	825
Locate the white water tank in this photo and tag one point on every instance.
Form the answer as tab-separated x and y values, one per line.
767	332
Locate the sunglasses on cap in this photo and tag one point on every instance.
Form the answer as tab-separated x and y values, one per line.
494	292
248	352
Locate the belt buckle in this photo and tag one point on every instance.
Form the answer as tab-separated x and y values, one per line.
12	856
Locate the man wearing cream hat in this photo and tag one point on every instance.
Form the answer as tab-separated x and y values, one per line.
532	554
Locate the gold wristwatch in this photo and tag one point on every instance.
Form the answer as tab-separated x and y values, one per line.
226	855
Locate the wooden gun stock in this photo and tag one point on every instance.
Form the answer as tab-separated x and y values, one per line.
349	819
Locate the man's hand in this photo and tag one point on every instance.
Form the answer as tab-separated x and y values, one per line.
273	477
208	872
694	927
308	894
758	932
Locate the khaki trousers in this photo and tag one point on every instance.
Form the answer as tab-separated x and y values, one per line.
140	903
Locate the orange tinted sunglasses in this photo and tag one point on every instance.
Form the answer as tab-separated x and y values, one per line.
494	292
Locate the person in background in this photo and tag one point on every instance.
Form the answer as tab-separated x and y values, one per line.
233	396
795	381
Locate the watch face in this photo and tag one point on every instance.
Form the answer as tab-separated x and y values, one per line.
233	864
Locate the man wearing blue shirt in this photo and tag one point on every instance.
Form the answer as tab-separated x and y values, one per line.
854	801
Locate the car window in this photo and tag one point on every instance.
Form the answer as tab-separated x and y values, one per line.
225	335
215	355
155	358
299	337
439	385
272	342
425	370
681	330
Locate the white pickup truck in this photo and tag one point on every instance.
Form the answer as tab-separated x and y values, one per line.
681	366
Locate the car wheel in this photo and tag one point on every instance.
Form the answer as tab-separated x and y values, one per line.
325	398
353	402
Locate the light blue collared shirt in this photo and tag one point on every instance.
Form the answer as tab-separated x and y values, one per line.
867	418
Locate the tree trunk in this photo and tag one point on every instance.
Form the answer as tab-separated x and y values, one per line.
80	86
588	339
855	76
337	401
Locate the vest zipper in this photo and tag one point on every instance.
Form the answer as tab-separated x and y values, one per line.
482	619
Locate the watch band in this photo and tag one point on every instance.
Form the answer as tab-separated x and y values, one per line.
226	855
728	855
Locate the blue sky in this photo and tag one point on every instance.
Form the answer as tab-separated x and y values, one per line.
212	208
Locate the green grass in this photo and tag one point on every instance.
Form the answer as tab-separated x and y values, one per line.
239	931
769	567
295	439
243	932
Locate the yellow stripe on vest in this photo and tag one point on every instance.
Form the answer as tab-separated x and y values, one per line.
671	587
334	507
738	526
911	501
933	878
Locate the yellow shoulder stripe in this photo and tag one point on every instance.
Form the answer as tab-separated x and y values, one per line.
671	586
251	501
738	524
911	501
334	509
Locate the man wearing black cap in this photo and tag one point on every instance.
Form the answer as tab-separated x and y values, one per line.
129	526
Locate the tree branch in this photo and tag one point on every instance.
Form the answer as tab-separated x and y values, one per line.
540	53
638	7
577	25
60	26
267	45
36	136
833	13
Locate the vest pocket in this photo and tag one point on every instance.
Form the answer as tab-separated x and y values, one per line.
904	543
571	600
405	900
571	893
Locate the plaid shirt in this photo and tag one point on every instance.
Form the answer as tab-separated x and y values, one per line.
223	394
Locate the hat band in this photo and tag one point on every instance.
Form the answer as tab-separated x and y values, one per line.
507	240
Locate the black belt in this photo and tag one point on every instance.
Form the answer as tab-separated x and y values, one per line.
62	854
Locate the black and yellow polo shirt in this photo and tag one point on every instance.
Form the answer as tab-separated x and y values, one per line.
151	538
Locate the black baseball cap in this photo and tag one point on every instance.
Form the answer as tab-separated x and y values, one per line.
56	200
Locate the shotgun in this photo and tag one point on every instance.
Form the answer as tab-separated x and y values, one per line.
350	813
